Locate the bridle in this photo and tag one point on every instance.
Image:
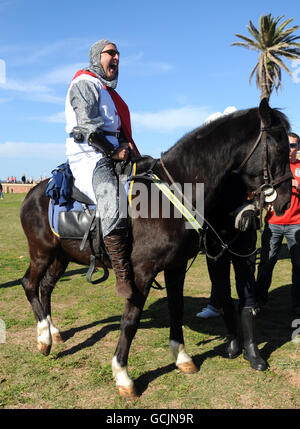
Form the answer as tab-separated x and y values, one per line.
266	192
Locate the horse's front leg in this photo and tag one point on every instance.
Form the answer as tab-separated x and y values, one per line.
144	273
129	324
174	279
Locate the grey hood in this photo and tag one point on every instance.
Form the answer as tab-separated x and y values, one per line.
95	65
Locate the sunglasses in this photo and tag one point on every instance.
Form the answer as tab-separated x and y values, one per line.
293	145
111	52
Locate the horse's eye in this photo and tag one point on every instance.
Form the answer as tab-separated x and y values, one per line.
280	149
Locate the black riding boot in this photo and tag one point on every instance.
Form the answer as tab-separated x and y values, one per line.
251	352
117	244
233	346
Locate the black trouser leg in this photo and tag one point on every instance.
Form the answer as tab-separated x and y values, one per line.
233	346
219	272
251	352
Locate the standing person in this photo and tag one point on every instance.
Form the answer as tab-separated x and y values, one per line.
235	223
277	227
1	191
98	123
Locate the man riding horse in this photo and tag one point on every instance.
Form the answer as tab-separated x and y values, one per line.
249	143
98	123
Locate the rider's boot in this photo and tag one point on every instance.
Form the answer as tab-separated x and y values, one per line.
251	352
233	346
118	246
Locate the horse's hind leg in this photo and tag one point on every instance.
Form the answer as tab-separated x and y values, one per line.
47	284
30	283
174	279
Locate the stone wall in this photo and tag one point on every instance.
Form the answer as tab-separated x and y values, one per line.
16	188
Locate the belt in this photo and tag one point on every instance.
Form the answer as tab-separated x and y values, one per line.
105	133
111	133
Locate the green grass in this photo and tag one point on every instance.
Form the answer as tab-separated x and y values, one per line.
77	374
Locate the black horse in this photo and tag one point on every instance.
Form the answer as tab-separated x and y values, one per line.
251	142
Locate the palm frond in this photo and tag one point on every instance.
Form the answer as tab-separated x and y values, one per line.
262	30
253	30
279	63
274	42
245	45
284	24
287	54
252	72
286	33
247	39
285	46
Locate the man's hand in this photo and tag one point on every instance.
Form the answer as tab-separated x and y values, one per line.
121	154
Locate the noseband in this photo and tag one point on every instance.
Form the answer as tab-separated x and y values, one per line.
266	191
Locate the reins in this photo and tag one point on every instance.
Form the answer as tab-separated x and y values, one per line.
223	244
238	170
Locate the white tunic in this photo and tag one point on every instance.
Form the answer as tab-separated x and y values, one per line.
83	91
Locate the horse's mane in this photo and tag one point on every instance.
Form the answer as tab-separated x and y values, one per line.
282	118
216	127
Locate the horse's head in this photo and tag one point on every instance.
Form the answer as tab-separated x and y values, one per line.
266	168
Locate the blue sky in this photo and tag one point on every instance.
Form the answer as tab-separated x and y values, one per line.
176	68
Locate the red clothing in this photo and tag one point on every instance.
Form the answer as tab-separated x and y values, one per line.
291	215
124	114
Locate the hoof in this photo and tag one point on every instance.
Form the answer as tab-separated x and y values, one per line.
188	367
57	338
44	348
128	392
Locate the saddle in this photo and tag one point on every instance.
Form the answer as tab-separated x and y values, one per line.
74	223
72	214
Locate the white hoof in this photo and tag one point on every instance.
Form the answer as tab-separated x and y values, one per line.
44	348
44	340
128	392
55	334
188	367
121	375
183	361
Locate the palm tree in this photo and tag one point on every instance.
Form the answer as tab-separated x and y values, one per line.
272	41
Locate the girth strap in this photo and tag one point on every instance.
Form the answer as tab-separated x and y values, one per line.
85	237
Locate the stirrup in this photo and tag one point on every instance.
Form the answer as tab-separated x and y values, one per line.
92	269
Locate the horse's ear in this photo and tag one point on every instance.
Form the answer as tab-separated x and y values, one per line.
265	112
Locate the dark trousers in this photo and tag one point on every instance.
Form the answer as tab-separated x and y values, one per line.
244	269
